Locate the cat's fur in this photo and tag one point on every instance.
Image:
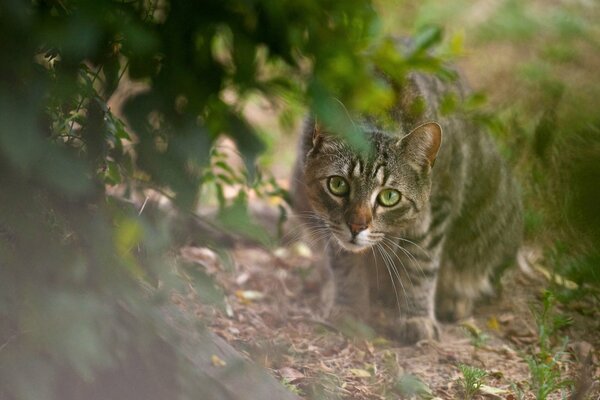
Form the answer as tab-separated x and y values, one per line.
456	227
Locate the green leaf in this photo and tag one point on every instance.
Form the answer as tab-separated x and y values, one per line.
426	38
409	385
113	174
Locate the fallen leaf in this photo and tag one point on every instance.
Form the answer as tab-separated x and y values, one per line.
380	342
281	252
302	250
228	308
290	374
410	385
203	256
493	392
248	296
242	278
360	373
471	328
217	361
493	324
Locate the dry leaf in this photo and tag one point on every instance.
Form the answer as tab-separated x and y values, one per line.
290	374
242	278
217	361
202	255
490	391
302	250
360	373
471	328
248	296
493	324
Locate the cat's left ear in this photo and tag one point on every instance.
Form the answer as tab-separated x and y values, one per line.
423	143
317	134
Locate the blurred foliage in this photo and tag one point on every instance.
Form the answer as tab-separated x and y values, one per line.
73	260
76	320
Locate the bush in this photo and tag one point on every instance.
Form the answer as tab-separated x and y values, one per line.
71	258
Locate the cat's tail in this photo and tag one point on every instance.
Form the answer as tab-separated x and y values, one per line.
531	262
525	259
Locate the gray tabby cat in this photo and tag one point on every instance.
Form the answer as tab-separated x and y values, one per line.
444	233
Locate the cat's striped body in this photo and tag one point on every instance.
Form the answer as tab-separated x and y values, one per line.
440	220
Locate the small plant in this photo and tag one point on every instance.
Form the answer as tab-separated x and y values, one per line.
518	391
478	337
546	375
291	387
544	366
472	379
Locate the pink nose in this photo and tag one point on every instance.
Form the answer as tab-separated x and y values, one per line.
357	228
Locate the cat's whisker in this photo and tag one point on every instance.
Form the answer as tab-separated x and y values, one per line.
309	222
318	236
411	242
312	232
393	268
412	258
383	257
298	234
376	268
407	301
401	263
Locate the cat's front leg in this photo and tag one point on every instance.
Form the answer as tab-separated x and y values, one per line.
417	274
349	290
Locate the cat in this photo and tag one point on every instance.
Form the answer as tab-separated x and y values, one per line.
432	202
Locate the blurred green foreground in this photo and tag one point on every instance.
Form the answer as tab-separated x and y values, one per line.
79	302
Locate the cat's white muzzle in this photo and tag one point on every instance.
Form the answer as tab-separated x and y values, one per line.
355	244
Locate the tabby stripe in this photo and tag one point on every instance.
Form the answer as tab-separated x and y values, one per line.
351	168
417	209
403	210
422	272
435	241
419	255
440	203
438	219
420	239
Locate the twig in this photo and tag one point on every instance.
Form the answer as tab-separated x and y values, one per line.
143	206
84	98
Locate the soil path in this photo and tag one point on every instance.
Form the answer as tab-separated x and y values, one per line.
270	313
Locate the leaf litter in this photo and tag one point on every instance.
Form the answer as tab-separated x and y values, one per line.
272	317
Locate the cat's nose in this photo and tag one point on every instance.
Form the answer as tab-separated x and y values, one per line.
355	229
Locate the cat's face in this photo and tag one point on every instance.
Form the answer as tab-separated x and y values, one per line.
364	199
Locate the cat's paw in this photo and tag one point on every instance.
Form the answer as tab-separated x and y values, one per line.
414	329
453	308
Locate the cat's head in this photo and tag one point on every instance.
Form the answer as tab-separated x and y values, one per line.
364	197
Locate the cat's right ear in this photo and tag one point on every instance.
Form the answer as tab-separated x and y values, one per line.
423	143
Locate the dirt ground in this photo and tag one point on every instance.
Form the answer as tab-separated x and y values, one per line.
270	314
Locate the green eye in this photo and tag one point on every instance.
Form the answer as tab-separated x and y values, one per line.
338	185
388	197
